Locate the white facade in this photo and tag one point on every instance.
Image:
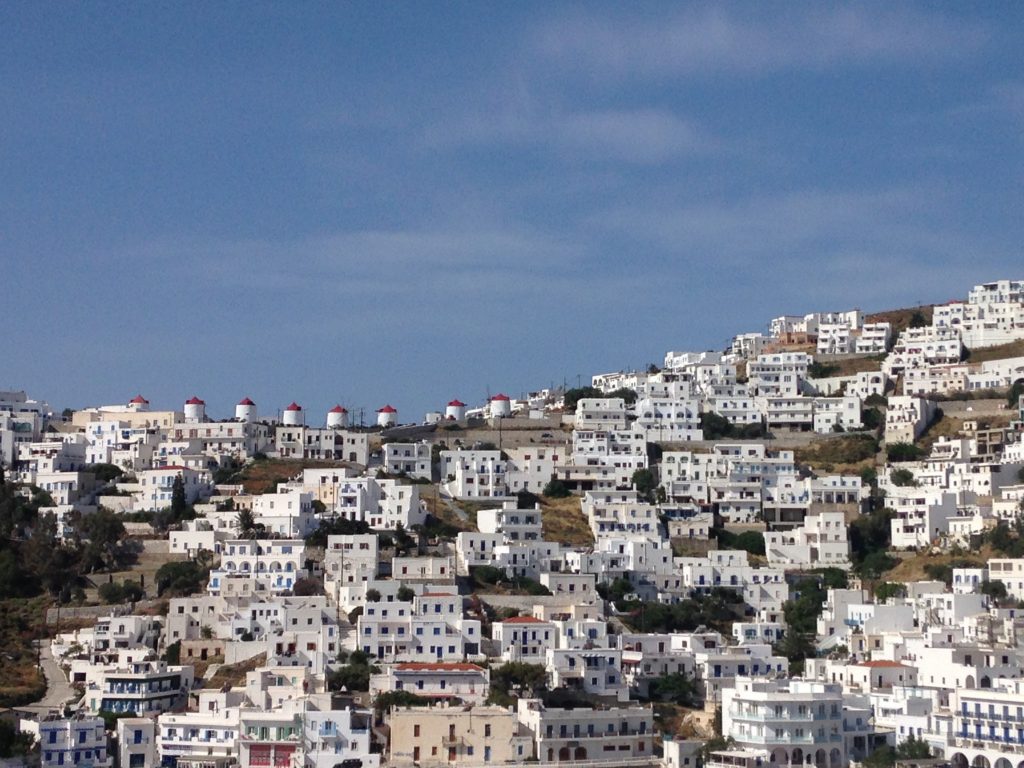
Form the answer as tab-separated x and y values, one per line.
155	486
272	566
907	417
820	542
412	459
76	741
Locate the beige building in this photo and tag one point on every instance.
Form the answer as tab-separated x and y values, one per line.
454	736
614	735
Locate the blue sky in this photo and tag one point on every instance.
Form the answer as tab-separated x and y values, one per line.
408	202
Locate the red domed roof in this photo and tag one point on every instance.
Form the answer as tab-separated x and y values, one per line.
387	409
246	401
194	401
294	407
457	404
337	409
139	400
501	397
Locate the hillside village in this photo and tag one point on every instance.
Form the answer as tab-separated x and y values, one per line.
805	549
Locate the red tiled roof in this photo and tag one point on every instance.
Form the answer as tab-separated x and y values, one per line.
337	409
294	407
194	401
440	666
139	399
246	401
500	397
387	409
457	404
523	620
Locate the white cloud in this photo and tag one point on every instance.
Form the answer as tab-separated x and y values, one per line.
641	136
869	247
751	41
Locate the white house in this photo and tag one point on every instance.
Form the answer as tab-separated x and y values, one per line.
820	542
80	740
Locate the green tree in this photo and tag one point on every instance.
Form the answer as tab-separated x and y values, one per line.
677	688
819	370
405	594
749	541
876	563
645	482
49	562
517	679
871	418
995	589
913	749
104	473
573	396
1016	392
246	525
403	541
179	503
111	593
797	647
625	393
617	590
104	535
888	589
714	426
903	478
897	452
556	489
354	676
386	701
336	527
181	578
870	537
13	743
172	653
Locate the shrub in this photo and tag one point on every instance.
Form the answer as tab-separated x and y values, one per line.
897	452
818	370
556	489
527	500
749	541
888	589
903	478
172	654
487	574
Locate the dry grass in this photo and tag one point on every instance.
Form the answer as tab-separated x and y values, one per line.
263	476
143	570
234	674
947	426
21	681
952	427
201	665
843	454
851	365
900	318
563	521
912	568
447	515
1001	352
